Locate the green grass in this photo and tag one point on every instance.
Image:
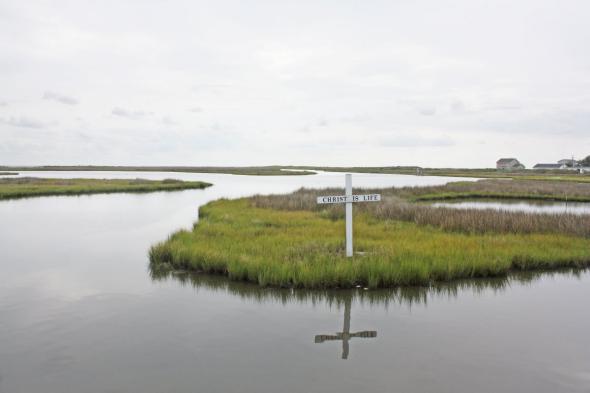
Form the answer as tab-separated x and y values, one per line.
24	187
273	170
304	249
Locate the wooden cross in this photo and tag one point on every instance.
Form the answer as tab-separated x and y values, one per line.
349	199
345	335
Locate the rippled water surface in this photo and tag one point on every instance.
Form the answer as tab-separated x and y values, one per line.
81	312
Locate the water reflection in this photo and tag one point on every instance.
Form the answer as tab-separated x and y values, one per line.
345	299
408	296
83	316
519	206
345	335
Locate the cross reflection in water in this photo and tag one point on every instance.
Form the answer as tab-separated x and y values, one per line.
345	335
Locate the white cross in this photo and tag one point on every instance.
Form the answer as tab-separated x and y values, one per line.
349	199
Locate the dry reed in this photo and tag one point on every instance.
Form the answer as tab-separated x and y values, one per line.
396	205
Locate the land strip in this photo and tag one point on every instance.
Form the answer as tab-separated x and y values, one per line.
525	174
8	173
278	170
250	170
24	187
291	241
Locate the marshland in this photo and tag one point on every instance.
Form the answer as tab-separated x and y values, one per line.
291	241
518	174
279	170
76	279
24	187
271	170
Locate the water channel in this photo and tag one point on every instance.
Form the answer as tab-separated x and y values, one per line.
81	312
520	206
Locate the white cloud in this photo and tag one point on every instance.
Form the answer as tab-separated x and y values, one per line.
427	111
62	99
408	140
168	121
26	122
133	115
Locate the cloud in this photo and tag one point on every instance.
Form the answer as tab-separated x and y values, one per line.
503	108
355	119
3	104
322	122
427	111
210	87
133	115
458	107
306	129
168	121
407	140
358	70
26	122
62	99
219	127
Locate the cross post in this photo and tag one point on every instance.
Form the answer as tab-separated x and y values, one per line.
348	193
348	199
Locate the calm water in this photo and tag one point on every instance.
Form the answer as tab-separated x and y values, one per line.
81	312
521	206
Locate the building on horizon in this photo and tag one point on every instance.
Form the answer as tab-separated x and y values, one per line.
569	162
507	164
551	166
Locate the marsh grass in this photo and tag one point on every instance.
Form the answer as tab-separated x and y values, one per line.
299	247
492	173
272	170
24	187
514	189
398	204
8	173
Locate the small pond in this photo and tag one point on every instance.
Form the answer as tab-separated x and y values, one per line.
519	206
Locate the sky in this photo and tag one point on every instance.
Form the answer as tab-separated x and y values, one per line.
440	83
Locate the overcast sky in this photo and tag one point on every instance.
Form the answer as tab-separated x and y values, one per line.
432	83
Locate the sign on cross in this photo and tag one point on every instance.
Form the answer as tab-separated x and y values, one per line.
348	199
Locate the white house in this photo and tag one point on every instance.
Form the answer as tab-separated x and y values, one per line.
508	164
550	166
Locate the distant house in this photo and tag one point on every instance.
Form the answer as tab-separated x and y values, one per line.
508	164
550	166
569	163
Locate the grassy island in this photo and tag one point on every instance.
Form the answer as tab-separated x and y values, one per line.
290	241
8	173
488	173
24	187
272	170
